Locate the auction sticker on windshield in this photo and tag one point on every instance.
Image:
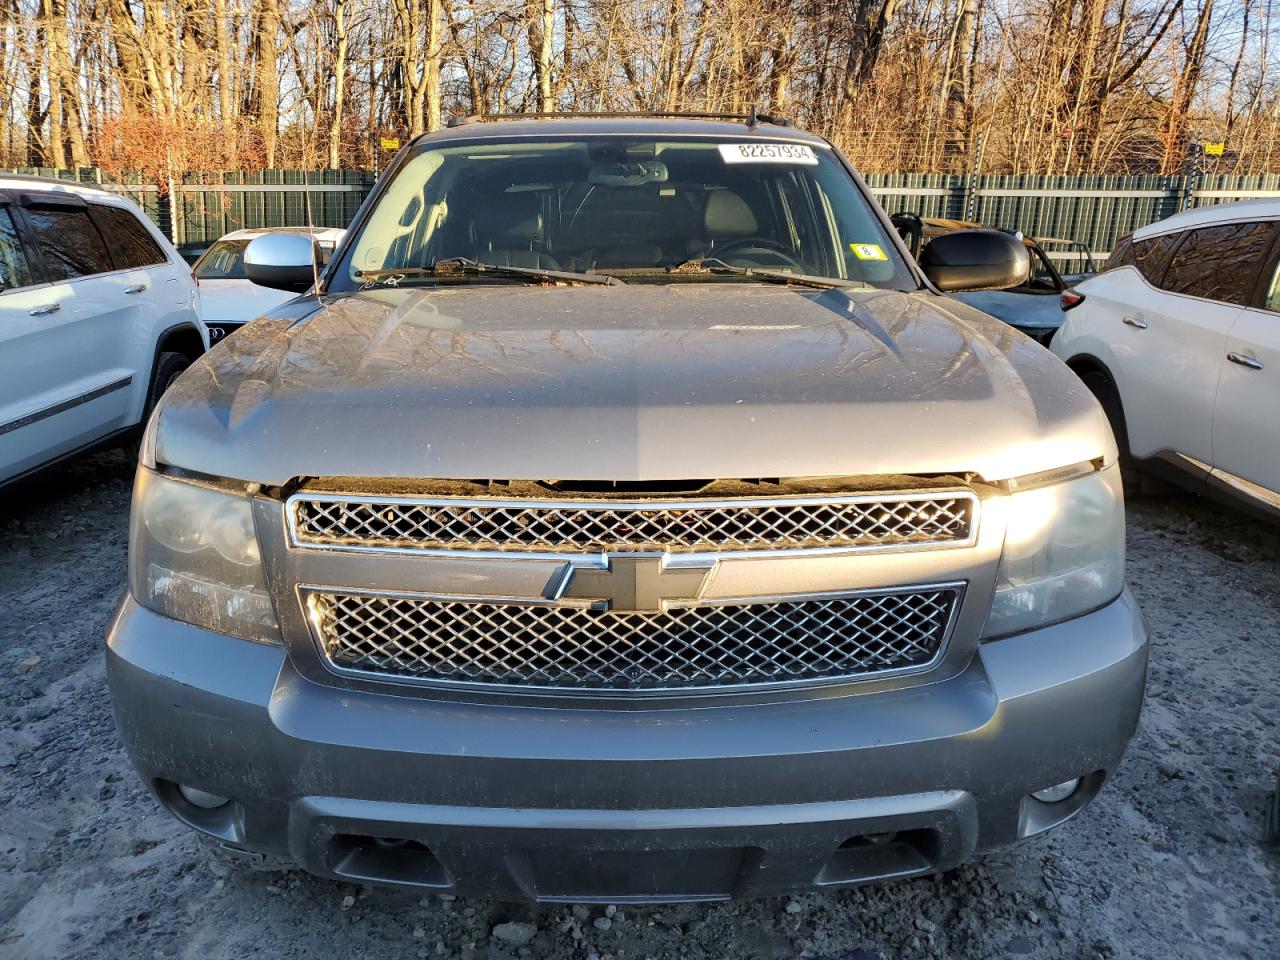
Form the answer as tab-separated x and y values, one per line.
868	251
768	153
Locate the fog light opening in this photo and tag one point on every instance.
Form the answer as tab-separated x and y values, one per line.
201	798
1058	792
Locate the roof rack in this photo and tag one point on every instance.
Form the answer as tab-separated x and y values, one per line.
751	118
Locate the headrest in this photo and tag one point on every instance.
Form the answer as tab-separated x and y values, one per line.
727	215
512	216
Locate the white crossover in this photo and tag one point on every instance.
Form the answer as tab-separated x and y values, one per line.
1179	337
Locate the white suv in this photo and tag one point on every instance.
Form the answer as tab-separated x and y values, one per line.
1179	338
228	299
98	315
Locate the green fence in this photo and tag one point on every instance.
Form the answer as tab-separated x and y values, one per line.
195	211
1096	210
209	205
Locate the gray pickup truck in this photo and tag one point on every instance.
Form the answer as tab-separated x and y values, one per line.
624	516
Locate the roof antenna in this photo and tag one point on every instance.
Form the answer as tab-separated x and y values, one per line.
311	235
753	118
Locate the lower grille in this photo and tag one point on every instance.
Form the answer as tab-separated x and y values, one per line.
542	645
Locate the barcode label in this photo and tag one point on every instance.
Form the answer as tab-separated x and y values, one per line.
768	153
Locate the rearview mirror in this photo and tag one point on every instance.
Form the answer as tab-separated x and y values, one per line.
975	260
630	174
282	261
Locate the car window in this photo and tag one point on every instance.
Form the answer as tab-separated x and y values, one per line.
1041	277
1150	256
70	244
132	245
632	205
1080	259
1122	255
222	261
14	271
1070	256
1042	274
1220	263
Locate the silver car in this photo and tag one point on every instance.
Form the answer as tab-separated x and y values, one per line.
625	516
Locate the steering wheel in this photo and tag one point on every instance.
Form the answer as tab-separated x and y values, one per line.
758	243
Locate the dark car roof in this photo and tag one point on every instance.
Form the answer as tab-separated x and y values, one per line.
571	126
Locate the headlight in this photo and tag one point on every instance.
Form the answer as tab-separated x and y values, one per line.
1063	553
193	556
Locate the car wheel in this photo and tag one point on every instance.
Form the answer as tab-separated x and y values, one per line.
169	367
1102	387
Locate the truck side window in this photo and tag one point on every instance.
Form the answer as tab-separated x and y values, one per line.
14	271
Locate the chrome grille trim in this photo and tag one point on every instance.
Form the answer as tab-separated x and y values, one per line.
539	646
556	528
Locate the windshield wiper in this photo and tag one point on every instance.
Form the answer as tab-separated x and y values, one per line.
466	267
716	265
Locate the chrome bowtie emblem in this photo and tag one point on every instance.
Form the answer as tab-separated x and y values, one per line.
636	583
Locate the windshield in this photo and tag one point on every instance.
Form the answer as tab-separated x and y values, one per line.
222	261
632	207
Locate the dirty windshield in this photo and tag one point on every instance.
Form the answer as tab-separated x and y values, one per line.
636	208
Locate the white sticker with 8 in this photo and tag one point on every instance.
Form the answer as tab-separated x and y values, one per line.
768	153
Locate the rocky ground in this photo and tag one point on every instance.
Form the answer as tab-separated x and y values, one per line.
1166	863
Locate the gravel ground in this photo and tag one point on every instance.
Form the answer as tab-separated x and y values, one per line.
1167	862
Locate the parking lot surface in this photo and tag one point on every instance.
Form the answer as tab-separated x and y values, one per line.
1166	863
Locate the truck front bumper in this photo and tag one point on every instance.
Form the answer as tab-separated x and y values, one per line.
517	801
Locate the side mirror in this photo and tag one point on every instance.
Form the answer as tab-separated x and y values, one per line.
282	261
975	260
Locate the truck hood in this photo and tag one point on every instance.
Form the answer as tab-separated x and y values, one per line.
636	382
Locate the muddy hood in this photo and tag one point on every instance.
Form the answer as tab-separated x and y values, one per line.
626	383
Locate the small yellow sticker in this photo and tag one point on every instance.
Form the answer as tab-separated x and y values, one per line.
868	251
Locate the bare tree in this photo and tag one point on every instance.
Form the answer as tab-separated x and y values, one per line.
339	81
1051	86
264	101
541	15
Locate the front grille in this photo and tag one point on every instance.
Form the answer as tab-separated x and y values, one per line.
554	646
674	526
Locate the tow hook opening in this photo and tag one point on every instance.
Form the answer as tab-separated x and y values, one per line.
877	856
397	860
